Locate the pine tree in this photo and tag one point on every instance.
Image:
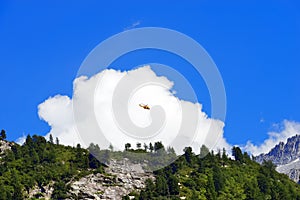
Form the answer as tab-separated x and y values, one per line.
127	146
151	148
188	154
29	142
158	146
57	141
51	139
2	135
224	155
138	145
238	155
145	147
111	147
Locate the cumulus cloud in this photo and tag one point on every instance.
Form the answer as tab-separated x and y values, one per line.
57	112
284	131
104	110
21	140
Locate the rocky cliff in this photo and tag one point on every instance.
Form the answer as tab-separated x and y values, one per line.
286	157
4	146
121	178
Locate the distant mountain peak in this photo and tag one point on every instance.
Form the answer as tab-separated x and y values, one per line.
283	153
285	156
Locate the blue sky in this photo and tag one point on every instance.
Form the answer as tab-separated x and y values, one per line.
255	44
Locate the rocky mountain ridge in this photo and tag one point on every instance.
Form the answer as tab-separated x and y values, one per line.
286	156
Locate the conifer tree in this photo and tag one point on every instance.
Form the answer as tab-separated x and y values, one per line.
51	139
57	141
3	135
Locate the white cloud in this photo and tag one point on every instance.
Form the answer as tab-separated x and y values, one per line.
57	112
133	25
285	130
21	140
106	104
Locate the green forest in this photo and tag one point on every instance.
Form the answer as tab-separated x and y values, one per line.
216	176
38	162
156	155
209	175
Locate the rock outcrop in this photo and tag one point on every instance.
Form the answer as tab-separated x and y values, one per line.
121	178
4	146
44	193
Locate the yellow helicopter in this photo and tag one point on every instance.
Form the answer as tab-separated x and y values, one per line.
146	107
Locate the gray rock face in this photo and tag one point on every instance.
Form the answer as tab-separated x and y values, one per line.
282	153
120	179
286	157
4	146
45	194
291	169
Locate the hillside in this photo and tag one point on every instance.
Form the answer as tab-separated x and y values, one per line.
218	177
40	169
